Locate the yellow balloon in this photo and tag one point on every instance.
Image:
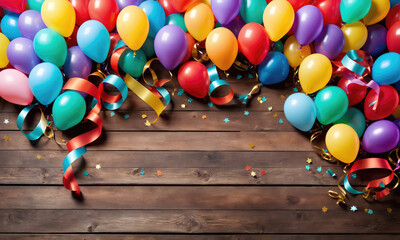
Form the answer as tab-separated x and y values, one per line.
133	26
278	19
222	47
59	15
199	21
294	52
379	10
315	72
355	36
3	50
342	142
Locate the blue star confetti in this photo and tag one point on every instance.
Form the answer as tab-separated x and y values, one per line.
353	208
280	121
250	75
226	120
141	172
319	169
86	173
308	167
180	92
370	212
112	114
246	113
354	175
381	185
210	104
263	99
126	116
239	76
190	100
295	90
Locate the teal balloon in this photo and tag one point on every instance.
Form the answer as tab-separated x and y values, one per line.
300	111
50	46
46	82
331	103
176	19
68	110
355	119
94	40
132	63
148	47
278	46
253	10
35	4
354	10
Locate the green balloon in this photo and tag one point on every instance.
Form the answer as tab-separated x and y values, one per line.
354	10
35	4
176	19
355	119
278	46
148	47
132	63
68	110
50	46
331	104
253	10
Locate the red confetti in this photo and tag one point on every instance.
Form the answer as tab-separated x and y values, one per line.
262	172
248	168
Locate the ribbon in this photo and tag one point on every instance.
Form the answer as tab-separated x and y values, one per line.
217	83
198	54
320	151
40	128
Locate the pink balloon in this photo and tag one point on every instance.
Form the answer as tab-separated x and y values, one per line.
14	87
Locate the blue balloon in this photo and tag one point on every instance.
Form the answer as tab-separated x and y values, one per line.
9	26
394	2
94	40
386	70
156	15
46	82
274	68
300	111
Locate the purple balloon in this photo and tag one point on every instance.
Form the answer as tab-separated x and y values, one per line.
171	45
226	10
307	25
381	136
29	23
236	25
124	3
330	41
77	63
376	41
21	54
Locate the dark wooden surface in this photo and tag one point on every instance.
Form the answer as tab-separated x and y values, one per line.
204	191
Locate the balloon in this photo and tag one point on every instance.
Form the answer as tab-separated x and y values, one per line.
379	10
273	69
342	142
9	26
94	40
381	136
133	26
331	103
355	119
307	25
234	26
170	46
191	43
253	42
297	4
59	15
393	16
29	23
376	41
77	63
3	50
104	11
14	87
148	47
132	63
168	7
222	48
193	78
68	110
330	10
300	111
124	3
278	19
155	14
17	6
394	2
352	10
252	10
21	54
387	103
356	93
46	81
35	4
330	42
199	21
47	39
393	38
225	10
176	19
81	10
278	46
314	73
385	70
295	53
182	5
355	36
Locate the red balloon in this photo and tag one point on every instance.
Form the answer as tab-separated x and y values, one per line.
193	78
168	7
356	93
297	4
253	42
17	6
71	40
330	10
114	37
104	11
191	43
393	16
181	5
387	104
393	38
81	10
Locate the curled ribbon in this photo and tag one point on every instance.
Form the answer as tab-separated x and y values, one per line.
40	128
217	83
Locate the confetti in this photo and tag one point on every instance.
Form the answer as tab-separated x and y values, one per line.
248	168
6	121
141	172
295	90
250	75
204	117
319	169
309	160
389	210
253	174
190	100
180	92
370	212
275	115
226	120
252	145
183	106
324	209
6	138
330	172
98	166
282	96
246	113
264	99
112	114
147	123
381	185
239	76
270	109
280	121
308	167
86	173
354	175
126	116
353	208
159	173
366	210
262	172
38	156
258	98
144	116
210	104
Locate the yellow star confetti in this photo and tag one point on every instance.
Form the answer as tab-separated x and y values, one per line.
275	115
309	160
259	98
147	123
252	145
204	117
253	174
159	173
324	209
38	156
282	96
183	106
144	116
98	166
366	210
389	210
6	138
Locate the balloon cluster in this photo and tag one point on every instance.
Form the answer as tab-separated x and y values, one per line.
327	42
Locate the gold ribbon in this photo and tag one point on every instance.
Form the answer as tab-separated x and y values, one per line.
340	196
320	151
200	55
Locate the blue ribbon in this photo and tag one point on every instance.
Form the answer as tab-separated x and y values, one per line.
349	188
119	84
351	61
39	130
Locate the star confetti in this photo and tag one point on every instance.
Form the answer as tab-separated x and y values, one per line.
319	169
98	166
366	210
262	172
159	173
270	109
252	145
226	120
246	113
370	212
183	106
144	116
264	99
308	167
190	100
6	121
259	99
141	172
353	208
354	175
295	90
210	104
280	121
112	114
275	115
204	117
248	168
6	138
180	92
239	76
38	156
86	173
309	160
324	209
253	174
126	116
250	75
147	123
282	96
389	210
381	185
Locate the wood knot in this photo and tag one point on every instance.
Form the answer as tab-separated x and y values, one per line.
135	171
203	174
189	222
92	227
44	173
293	199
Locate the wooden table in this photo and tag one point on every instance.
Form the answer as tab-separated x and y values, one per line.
203	190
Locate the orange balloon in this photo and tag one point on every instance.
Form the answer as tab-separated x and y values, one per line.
222	47
199	21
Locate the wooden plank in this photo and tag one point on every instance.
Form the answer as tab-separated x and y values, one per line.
196	221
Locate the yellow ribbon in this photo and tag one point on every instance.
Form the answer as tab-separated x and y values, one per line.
200	55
